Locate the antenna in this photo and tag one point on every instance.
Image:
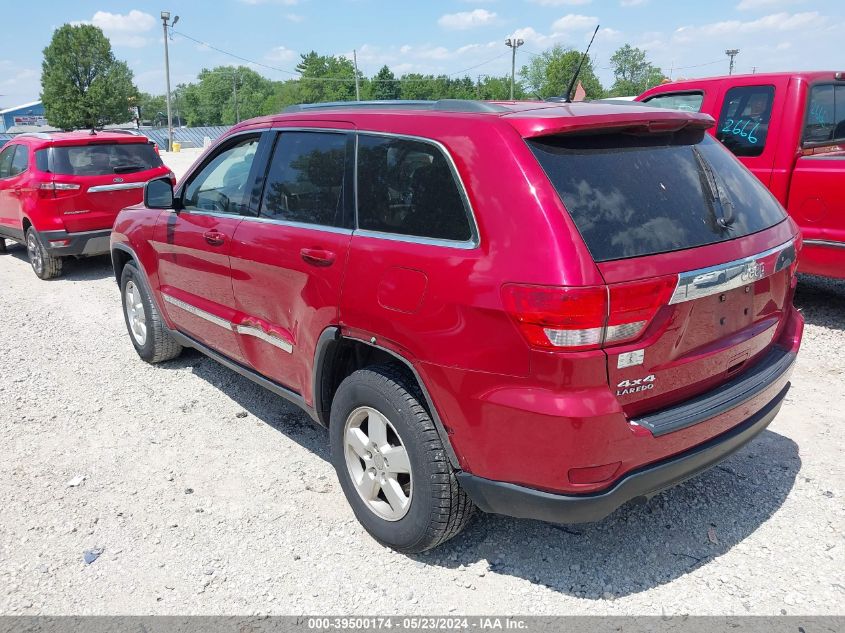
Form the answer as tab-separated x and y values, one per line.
567	97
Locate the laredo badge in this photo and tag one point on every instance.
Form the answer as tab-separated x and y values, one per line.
627	387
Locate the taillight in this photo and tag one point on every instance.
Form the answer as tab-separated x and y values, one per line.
57	188
588	317
633	306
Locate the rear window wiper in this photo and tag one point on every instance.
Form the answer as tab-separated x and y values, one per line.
722	200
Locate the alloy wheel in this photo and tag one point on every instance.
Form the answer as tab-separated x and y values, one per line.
378	463
136	316
33	249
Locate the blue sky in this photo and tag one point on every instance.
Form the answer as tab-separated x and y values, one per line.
434	36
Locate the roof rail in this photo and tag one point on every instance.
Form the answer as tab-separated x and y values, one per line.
442	105
42	135
131	132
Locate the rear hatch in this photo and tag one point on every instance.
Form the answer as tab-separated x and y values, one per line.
94	180
697	256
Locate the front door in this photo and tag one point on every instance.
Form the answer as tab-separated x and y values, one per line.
13	164
194	242
288	263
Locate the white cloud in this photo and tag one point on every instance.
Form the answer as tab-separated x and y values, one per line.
281	54
467	19
123	29
574	22
294	17
774	22
560	3
632	3
284	2
749	5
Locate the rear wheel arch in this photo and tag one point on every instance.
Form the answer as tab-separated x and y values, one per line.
337	357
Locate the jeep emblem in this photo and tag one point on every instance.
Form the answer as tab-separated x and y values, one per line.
753	271
118	179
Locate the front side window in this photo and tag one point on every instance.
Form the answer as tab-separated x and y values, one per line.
305	182
744	120
20	161
825	114
6	160
223	184
684	101
407	187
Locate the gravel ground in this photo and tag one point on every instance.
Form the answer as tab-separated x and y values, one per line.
204	494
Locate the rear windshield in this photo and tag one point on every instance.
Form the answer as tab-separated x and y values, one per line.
103	158
633	195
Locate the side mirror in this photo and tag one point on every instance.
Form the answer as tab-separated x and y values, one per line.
158	194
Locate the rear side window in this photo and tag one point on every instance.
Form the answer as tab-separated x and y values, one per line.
100	159
407	187
6	160
640	195
42	160
685	101
826	114
744	120
305	181
20	161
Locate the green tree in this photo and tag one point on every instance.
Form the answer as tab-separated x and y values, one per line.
326	78
224	95
498	89
633	72
385	85
82	84
153	108
549	74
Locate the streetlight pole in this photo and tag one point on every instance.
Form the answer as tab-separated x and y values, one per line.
731	52
165	17
514	44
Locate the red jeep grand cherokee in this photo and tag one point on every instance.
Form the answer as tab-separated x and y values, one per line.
60	193
542	310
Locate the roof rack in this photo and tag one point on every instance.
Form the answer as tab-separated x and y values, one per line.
442	105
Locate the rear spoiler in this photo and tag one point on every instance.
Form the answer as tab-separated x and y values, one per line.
644	122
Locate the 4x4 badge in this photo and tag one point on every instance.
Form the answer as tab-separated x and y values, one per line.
635	385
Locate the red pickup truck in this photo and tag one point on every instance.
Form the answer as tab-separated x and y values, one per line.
789	129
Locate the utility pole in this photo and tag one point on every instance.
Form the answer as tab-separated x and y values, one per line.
731	52
235	92
514	44
357	86
165	17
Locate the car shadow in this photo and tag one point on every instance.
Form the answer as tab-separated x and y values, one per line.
635	549
821	301
85	269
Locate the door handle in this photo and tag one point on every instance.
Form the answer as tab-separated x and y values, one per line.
214	238
317	256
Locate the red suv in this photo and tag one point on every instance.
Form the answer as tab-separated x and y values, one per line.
542	310
60	193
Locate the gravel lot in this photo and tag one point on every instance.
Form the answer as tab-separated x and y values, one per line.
209	495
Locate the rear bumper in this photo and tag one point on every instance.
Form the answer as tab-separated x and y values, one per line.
61	243
523	502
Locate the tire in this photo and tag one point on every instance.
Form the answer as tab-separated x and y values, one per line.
2	245
435	507
44	265
147	331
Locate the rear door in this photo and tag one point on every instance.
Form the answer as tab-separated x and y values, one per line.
107	176
288	263
697	256
193	244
